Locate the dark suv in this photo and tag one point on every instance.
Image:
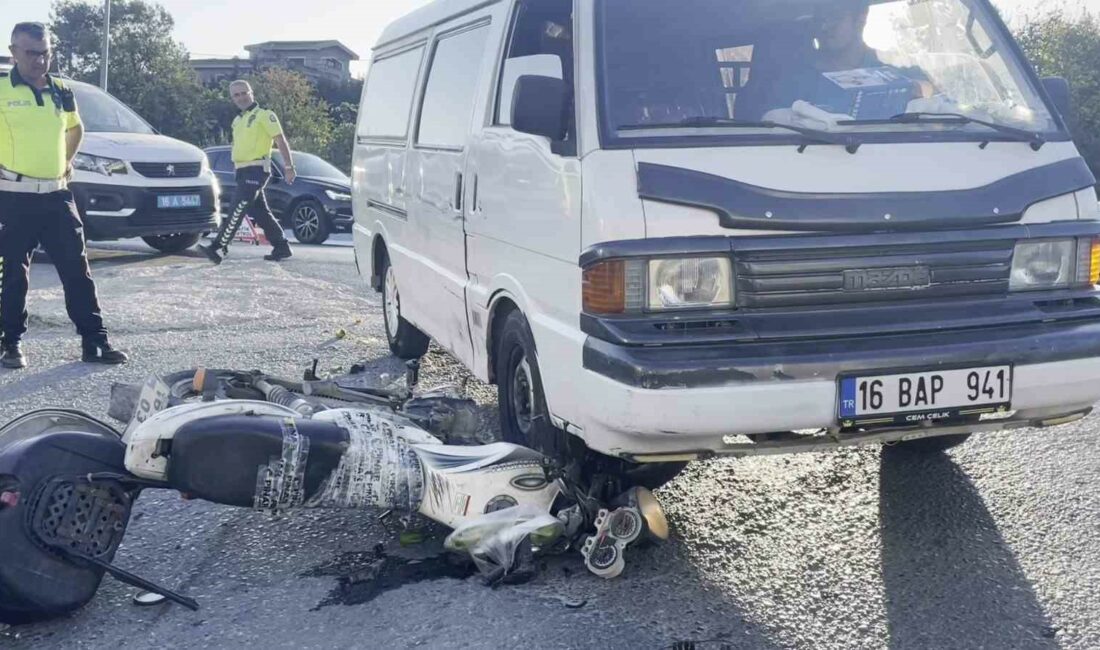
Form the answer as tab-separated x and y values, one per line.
316	205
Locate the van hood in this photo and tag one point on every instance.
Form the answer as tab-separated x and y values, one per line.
140	147
879	188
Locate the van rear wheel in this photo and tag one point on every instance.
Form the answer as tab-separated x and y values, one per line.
525	420
405	340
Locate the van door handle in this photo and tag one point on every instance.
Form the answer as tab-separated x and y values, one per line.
458	191
474	207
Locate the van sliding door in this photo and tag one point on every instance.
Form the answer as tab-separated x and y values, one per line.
437	182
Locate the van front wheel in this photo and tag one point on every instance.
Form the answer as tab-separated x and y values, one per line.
524	419
406	342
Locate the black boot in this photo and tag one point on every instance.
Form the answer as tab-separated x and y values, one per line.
211	251
280	251
99	350
13	356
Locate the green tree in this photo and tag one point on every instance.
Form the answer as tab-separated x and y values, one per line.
149	69
304	115
337	94
343	143
344	119
1063	45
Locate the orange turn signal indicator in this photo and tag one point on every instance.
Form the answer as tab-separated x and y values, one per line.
604	288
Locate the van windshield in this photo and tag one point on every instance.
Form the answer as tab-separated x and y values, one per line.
740	68
102	113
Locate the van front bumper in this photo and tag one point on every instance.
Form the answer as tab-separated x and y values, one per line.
711	398
119	212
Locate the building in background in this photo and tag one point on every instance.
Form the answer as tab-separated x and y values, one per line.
213	71
319	61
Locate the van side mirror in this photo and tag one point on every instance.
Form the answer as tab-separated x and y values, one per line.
538	106
1058	90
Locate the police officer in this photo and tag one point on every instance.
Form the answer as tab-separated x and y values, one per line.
40	132
254	130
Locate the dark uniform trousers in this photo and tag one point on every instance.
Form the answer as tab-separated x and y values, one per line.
250	198
50	220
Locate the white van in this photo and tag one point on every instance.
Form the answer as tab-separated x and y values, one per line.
710	227
130	181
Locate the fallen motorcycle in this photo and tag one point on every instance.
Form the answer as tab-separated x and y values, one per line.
68	482
437	411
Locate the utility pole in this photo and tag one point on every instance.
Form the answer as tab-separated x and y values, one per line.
105	59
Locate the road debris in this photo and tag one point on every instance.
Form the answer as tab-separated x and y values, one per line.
148	599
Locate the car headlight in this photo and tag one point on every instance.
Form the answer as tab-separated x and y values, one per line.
98	164
660	284
337	196
1055	264
204	167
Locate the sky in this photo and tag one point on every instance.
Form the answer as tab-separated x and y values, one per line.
221	28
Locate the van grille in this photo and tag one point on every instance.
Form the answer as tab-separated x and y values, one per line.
168	170
869	274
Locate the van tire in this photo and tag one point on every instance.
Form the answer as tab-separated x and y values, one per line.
406	342
524	418
172	243
934	445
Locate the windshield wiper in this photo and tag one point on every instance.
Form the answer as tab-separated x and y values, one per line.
813	136
1036	140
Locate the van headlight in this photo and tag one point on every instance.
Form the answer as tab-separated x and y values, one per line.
1055	264
689	283
658	284
98	164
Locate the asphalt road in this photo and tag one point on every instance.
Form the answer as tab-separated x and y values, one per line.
994	545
